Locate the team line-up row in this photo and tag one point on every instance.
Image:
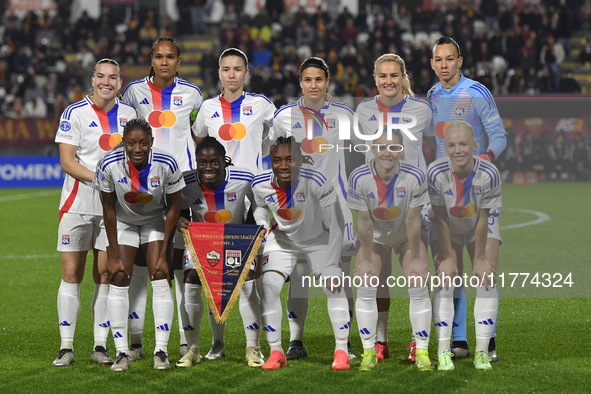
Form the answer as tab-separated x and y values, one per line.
161	148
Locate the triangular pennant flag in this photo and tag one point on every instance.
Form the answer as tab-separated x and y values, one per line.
222	255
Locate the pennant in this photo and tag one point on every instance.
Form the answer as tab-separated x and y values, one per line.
222	255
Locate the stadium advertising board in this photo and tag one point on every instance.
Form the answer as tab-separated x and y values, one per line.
30	171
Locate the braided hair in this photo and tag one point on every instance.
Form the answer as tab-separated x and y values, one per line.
158	41
212	142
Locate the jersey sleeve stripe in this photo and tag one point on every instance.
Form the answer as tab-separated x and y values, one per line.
485	93
260	95
343	106
358	174
189	84
72	107
166	159
314	173
414	171
111	158
311	177
436	170
286	106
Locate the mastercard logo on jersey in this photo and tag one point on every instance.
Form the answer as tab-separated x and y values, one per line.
232	131
221	216
317	145
463	212
387	214
138	198
165	118
108	141
291	214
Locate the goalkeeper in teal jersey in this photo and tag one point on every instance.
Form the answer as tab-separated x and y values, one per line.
457	98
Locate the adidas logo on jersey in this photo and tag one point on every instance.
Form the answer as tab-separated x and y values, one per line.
215	115
297	125
144	101
371	195
122	180
373	118
93	124
270	199
449	192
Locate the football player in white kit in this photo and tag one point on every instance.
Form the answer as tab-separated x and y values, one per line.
88	128
464	188
314	116
239	120
216	193
138	183
304	204
388	196
168	103
395	96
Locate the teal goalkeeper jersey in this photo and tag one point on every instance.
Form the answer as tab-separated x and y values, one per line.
471	102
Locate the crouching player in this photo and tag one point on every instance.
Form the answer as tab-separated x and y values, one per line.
463	189
137	184
215	193
303	204
388	196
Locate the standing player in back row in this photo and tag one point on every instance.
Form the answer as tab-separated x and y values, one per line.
395	96
314	116
457	98
168	103
88	129
238	120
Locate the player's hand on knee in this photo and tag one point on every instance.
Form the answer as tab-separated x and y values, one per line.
485	273
447	270
115	266
161	270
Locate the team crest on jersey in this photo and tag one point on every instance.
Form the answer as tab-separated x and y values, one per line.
331	123
233	258
300	197
122	122
65	126
155	182
265	260
213	258
460	110
231	196
65	239
400	192
247	110
177	100
477	189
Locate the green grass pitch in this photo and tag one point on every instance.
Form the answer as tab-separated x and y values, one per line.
543	337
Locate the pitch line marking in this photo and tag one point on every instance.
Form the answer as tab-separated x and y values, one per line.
541	217
29	195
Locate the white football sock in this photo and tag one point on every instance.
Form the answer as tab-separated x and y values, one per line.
443	314
138	296
271	306
217	329
346	267
100	317
382	326
163	307
367	316
338	311
118	305
193	313
297	301
68	308
486	309
250	310
179	278
420	315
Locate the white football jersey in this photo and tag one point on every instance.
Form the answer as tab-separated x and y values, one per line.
295	120
370	110
238	125
168	112
222	205
140	195
94	132
463	200
298	210
388	204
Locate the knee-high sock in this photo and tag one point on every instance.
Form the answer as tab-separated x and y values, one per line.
297	301
486	308
217	329
382	326
250	310
443	312
118	306
193	311
338	311
346	266
179	288
100	317
420	315
271	307
138	296
460	307
163	307
367	316
68	308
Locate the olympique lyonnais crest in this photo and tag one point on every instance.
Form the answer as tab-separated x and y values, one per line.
236	246
247	110
155	182
177	100
122	122
400	192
